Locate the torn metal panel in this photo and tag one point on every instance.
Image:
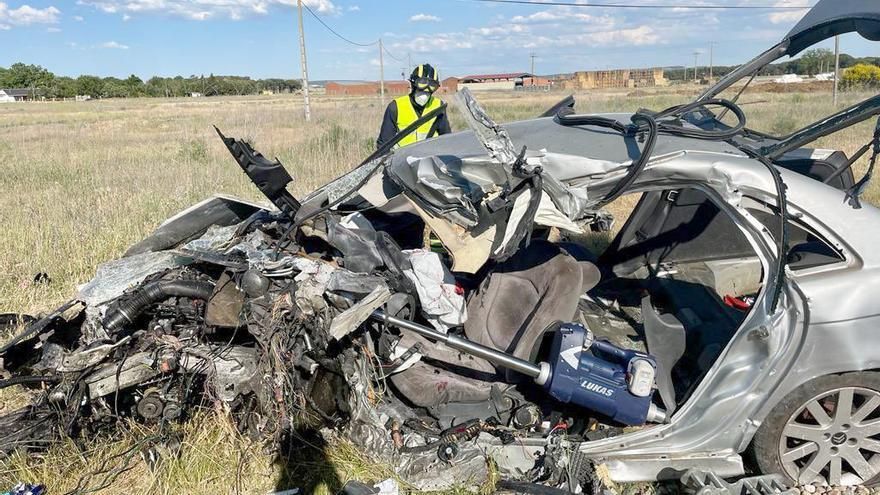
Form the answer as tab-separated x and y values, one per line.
338	189
219	210
449	186
346	322
470	251
494	138
549	216
113	278
355	237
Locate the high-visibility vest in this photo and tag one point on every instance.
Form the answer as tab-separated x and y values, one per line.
406	115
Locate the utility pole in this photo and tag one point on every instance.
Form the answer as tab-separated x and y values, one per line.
381	74
408	63
836	67
711	56
303	65
696	54
532	56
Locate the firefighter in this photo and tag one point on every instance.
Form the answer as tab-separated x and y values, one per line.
403	111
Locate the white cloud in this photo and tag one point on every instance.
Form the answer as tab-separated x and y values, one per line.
78	18
555	27
787	16
354	8
202	10
424	18
114	45
27	15
53	30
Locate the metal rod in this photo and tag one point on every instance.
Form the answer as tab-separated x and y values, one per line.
304	66
494	356
381	75
836	68
711	59
849	163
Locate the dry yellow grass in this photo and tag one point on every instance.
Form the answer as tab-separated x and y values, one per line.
83	181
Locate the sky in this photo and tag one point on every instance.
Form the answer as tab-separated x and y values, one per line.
259	38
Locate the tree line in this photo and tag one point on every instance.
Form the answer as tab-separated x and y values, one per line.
812	62
45	84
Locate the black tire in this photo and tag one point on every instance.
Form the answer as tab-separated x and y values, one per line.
766	445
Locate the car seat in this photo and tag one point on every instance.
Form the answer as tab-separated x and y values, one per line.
511	310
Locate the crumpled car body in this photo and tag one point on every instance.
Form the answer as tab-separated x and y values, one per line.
403	302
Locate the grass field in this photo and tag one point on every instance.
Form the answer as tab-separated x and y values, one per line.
83	181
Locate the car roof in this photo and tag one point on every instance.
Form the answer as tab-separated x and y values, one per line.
829	18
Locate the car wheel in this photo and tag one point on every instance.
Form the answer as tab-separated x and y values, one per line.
827	431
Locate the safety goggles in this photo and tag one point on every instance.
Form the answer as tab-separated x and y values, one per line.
427	84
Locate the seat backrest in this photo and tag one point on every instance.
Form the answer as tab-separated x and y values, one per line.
522	297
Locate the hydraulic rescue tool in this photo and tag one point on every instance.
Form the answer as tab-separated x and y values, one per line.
593	374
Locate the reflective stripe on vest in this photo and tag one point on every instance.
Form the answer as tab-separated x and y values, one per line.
406	115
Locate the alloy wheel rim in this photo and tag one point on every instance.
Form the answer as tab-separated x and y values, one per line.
834	438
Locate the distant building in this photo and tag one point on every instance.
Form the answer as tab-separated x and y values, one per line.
826	76
196	95
83	98
10	95
504	81
449	85
617	78
366	88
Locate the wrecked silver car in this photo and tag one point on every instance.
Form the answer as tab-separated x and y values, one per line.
420	305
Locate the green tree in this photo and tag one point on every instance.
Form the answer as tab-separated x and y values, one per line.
135	86
21	75
816	61
89	85
61	87
113	87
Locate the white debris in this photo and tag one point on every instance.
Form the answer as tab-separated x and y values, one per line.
442	300
388	487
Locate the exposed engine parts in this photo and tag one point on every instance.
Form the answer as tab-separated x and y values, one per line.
331	319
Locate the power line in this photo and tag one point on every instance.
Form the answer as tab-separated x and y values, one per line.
343	38
640	6
392	55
